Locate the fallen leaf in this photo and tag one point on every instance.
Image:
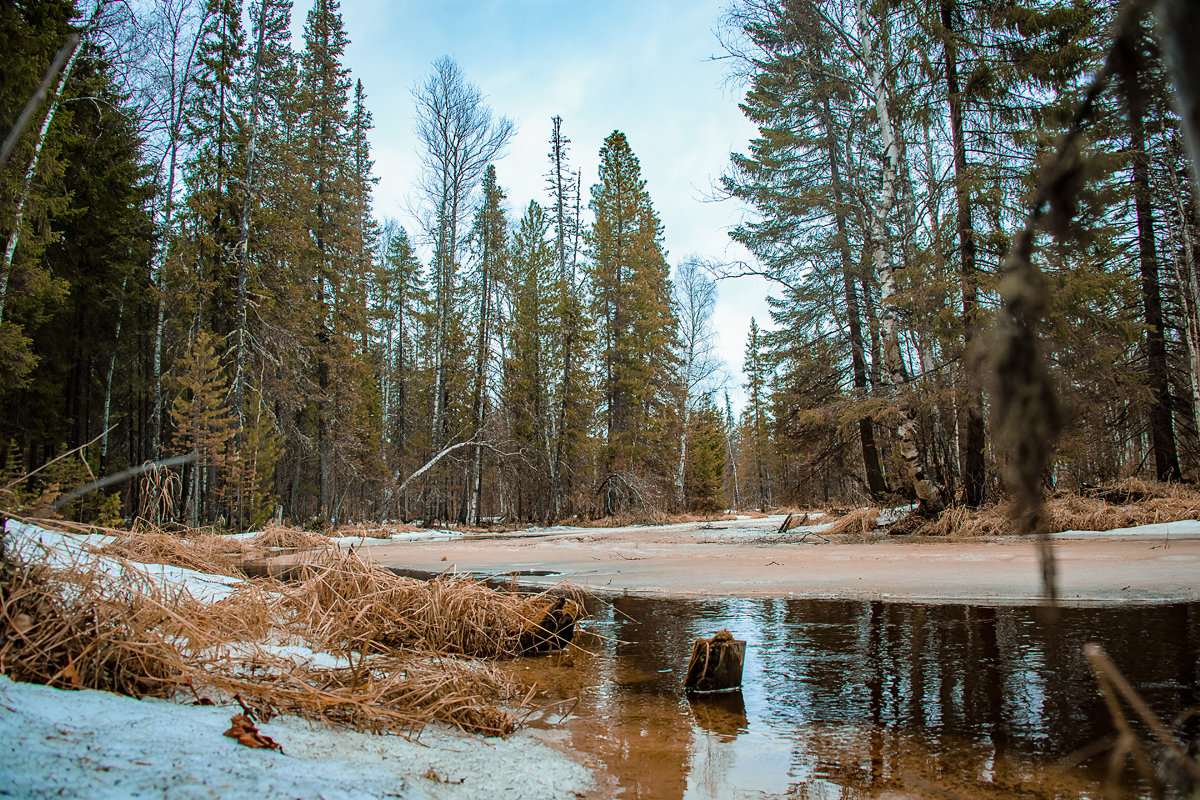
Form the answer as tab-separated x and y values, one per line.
245	732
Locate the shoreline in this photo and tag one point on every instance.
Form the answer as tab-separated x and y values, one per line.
1152	564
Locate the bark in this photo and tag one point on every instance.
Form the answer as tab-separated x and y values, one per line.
866	426
971	448
928	493
1162	435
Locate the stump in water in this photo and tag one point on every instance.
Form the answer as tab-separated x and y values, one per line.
554	630
716	664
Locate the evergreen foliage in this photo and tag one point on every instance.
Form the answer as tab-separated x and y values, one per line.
195	265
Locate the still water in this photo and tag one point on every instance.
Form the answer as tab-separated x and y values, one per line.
858	699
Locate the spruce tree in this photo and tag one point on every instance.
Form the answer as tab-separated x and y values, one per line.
636	321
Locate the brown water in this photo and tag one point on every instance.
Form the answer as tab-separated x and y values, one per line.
858	699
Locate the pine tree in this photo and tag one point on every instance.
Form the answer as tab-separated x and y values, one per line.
203	427
756	420
327	161
531	353
632	302
490	236
705	474
572	399
400	297
84	327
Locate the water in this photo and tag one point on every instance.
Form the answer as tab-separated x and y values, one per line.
853	699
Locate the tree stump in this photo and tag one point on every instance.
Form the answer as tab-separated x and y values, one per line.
716	664
554	630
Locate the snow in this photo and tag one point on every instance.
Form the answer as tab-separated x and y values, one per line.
69	550
58	743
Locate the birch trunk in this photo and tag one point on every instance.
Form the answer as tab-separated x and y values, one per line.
10	247
928	493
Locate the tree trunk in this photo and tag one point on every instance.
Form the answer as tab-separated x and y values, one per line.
971	447
1162	435
866	426
928	493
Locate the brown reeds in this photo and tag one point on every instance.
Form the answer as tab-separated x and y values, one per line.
73	630
410	650
352	604
1176	766
860	521
281	538
203	552
1126	504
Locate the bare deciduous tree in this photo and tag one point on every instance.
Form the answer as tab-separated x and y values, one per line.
460	137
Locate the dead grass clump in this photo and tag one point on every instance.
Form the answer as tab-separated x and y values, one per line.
204	552
398	695
352	604
1126	504
965	523
409	646
374	531
71	630
860	521
281	538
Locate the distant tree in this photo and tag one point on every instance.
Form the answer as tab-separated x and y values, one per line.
460	137
637	327
699	365
705	474
491	244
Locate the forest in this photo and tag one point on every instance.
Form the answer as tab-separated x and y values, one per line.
194	267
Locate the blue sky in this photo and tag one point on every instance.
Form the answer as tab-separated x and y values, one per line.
644	68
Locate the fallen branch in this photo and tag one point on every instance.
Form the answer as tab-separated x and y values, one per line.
445	452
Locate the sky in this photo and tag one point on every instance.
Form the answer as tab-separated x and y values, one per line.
645	68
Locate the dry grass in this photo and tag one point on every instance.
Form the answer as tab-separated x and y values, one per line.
70	630
1126	504
860	521
412	647
375	531
279	537
651	517
354	605
203	552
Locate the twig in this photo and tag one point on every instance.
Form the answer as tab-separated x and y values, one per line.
39	96
1111	680
29	475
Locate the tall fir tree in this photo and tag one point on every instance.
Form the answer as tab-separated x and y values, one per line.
637	325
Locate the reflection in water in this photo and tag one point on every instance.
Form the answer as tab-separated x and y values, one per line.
847	699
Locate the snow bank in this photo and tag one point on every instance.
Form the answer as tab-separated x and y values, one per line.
99	745
56	743
70	550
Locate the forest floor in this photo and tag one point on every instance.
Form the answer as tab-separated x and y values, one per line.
747	557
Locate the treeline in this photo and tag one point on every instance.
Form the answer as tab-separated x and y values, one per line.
899	147
193	267
198	270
